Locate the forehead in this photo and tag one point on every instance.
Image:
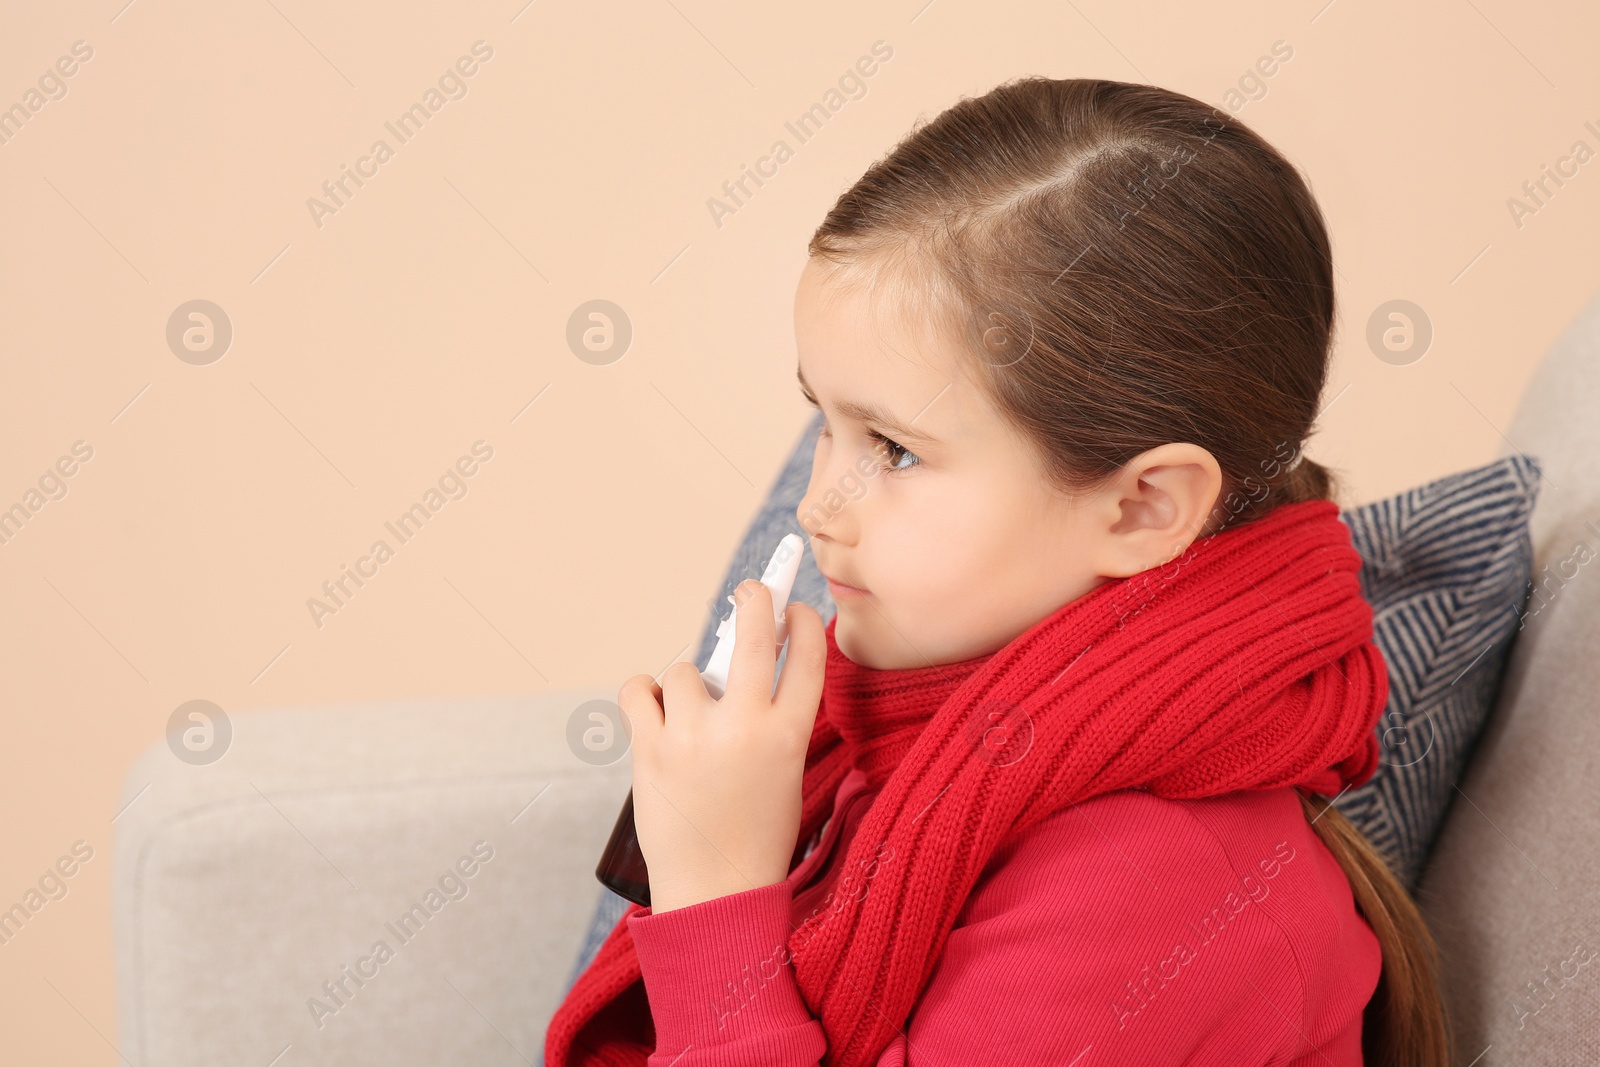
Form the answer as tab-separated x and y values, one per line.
864	326
868	348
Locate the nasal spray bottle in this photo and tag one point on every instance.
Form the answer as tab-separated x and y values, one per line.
622	868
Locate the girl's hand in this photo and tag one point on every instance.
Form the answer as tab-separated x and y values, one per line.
716	783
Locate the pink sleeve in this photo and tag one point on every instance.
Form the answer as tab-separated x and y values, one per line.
721	989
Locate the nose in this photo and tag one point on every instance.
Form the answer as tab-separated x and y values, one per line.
812	514
823	512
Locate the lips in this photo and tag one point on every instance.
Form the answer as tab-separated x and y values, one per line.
843	589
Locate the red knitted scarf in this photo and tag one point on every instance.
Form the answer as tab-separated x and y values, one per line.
1246	663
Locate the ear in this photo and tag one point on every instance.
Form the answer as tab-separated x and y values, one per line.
1156	506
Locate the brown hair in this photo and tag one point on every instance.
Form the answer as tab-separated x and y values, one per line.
1130	267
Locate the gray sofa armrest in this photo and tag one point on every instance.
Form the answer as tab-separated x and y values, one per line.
1512	888
460	834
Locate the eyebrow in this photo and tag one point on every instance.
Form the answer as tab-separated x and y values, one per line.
870	413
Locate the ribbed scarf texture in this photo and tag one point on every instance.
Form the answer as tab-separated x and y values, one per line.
1245	663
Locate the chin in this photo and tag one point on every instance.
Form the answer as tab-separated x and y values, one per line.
850	641
866	650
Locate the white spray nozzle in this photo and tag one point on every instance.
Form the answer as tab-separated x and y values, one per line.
779	578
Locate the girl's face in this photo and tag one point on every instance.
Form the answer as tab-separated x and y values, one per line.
922	497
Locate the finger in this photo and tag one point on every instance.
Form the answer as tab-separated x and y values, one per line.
800	687
640	700
755	654
682	690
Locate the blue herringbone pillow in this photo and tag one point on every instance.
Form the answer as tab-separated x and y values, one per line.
1447	568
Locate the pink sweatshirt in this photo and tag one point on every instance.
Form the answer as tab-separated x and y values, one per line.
1124	930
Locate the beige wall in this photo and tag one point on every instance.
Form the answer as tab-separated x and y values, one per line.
372	346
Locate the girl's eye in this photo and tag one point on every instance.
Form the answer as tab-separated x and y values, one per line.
893	452
887	448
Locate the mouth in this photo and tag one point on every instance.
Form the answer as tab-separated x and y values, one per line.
841	591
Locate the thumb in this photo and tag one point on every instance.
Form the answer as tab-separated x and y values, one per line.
640	700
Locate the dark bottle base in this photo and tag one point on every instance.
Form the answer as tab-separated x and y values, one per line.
622	869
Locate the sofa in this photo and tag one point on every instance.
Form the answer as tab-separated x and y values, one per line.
252	894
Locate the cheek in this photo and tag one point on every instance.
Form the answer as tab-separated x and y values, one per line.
998	557
929	552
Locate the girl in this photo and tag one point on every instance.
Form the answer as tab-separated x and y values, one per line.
1052	786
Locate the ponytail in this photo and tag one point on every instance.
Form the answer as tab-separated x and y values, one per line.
1406	1023
1308	480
